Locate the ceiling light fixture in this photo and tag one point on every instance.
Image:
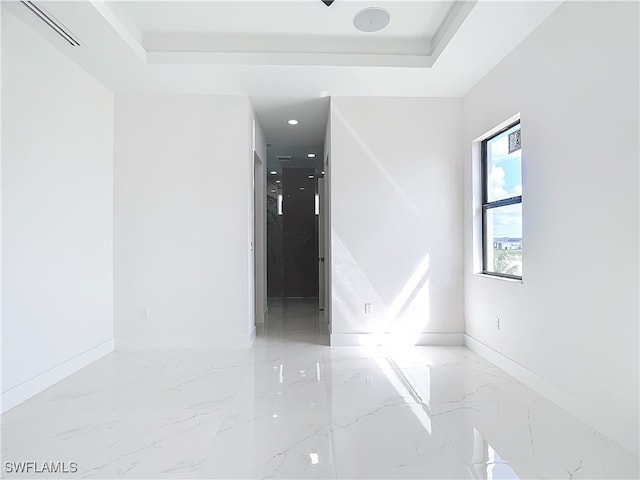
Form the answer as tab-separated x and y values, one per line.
311	155
371	19
293	122
273	172
310	176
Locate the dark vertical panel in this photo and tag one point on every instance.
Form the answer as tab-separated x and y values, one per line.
275	266
299	233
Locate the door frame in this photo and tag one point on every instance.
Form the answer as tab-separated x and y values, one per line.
325	213
260	237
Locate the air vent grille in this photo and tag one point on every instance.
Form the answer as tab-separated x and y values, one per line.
52	23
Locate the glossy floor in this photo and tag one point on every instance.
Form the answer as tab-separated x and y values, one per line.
292	407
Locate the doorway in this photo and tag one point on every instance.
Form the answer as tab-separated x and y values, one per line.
293	225
299	233
292	233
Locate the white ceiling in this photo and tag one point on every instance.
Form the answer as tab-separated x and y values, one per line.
289	56
287	27
273	112
302	17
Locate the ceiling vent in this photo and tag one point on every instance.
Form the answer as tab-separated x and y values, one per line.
52	23
284	158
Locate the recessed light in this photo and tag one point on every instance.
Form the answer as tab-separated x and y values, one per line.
301	188
322	173
292	122
278	181
311	155
372	19
273	190
311	176
273	172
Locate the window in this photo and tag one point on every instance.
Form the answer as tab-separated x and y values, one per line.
502	203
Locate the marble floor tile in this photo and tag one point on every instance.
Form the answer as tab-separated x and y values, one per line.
375	440
265	440
110	443
292	407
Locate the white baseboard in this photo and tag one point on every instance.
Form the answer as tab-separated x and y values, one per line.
425	339
185	342
600	420
28	389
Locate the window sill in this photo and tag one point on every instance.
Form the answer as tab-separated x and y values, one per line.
496	277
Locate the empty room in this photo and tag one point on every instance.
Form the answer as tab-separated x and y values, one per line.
320	239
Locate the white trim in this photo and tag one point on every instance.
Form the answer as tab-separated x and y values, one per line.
129	37
24	391
513	119
498	277
598	419
261	317
425	339
308	59
186	342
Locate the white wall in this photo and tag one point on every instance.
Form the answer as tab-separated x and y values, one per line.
396	209
57	212
571	328
183	221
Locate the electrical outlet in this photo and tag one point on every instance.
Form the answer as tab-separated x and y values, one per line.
496	321
368	308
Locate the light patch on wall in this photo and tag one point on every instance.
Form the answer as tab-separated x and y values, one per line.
408	314
280	204
399	324
376	162
317	204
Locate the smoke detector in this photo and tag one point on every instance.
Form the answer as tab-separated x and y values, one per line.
372	19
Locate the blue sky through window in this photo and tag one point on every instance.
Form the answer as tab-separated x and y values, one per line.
504	181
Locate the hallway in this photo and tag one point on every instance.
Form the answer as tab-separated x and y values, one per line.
291	407
294	320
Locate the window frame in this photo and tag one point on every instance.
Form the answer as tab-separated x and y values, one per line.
486	205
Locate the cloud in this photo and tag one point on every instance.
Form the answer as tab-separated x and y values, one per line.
496	184
507	221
